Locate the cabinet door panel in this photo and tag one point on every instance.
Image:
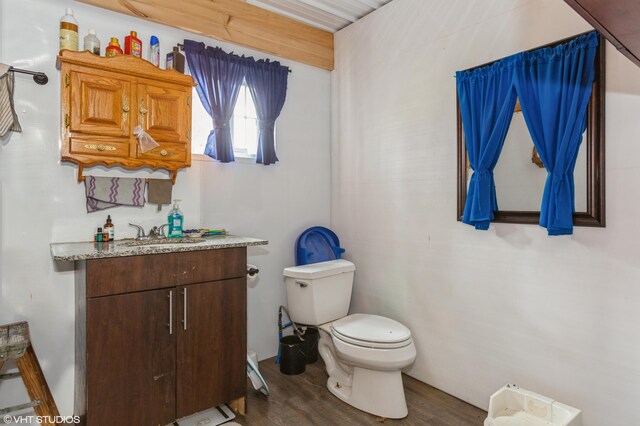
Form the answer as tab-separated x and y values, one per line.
131	359
100	105
164	112
212	344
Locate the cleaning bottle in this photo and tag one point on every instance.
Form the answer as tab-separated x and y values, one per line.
108	226
175	60
113	49
133	45
68	31
92	43
176	220
154	51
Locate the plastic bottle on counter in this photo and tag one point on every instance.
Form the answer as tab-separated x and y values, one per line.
98	236
108	226
68	31
154	51
175	60
176	221
113	49
133	45
92	42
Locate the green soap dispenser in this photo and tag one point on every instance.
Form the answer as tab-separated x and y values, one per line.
176	221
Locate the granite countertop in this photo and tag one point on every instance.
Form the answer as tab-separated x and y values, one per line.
120	248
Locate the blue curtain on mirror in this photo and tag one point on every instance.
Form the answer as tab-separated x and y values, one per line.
267	83
219	76
554	86
487	99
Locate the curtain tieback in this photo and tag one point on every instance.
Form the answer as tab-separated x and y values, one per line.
266	124
558	179
482	175
220	126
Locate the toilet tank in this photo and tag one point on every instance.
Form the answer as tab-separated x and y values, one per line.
319	293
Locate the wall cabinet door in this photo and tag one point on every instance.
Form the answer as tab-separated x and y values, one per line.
131	359
211	344
165	112
100	105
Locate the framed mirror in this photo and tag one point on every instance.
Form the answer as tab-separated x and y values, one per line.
520	176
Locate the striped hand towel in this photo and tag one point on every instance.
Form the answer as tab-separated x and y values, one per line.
105	192
8	117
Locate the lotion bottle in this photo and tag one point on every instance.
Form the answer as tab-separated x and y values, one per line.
68	31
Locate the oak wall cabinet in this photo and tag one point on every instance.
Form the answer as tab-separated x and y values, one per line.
104	99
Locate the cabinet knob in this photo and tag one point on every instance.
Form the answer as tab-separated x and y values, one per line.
164	152
143	111
125	104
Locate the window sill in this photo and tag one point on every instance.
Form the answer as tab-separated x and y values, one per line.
205	158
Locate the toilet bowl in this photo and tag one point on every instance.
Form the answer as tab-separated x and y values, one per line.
363	354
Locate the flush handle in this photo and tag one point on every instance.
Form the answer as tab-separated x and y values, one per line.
302	284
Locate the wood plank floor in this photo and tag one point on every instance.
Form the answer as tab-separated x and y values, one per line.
305	400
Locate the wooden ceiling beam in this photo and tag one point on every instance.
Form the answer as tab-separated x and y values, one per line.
237	22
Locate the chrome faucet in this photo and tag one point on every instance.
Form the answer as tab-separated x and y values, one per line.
154	233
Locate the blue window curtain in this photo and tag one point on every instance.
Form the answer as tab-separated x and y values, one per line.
487	99
267	83
219	76
554	86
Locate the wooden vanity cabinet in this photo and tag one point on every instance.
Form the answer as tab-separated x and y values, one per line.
160	337
104	99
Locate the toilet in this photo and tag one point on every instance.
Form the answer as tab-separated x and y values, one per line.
364	354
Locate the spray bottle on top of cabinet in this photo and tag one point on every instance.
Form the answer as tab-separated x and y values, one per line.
176	221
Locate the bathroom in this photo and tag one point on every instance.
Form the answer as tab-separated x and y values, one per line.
369	151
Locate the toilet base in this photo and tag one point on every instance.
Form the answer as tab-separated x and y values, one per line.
376	392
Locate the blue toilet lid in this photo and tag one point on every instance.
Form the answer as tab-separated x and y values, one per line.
317	244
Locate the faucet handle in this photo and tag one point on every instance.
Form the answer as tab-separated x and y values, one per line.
140	230
161	230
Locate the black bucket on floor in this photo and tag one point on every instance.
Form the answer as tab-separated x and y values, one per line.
292	355
311	337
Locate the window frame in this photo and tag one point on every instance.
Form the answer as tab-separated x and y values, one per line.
595	214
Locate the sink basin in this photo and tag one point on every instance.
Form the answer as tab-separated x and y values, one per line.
162	241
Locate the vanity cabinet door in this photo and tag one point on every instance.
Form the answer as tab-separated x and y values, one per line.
131	359
100	104
211	344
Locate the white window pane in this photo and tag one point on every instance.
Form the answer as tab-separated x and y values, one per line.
251	108
239	134
242	102
252	137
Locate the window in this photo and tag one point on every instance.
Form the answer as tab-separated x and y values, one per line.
244	126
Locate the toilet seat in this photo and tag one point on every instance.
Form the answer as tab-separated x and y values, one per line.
371	331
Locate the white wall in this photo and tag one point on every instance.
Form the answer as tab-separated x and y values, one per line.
276	202
42	203
556	315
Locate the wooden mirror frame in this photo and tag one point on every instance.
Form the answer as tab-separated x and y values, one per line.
595	214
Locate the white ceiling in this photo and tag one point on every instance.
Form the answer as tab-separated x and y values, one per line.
329	15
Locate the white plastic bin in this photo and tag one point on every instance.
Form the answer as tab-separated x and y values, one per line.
512	406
